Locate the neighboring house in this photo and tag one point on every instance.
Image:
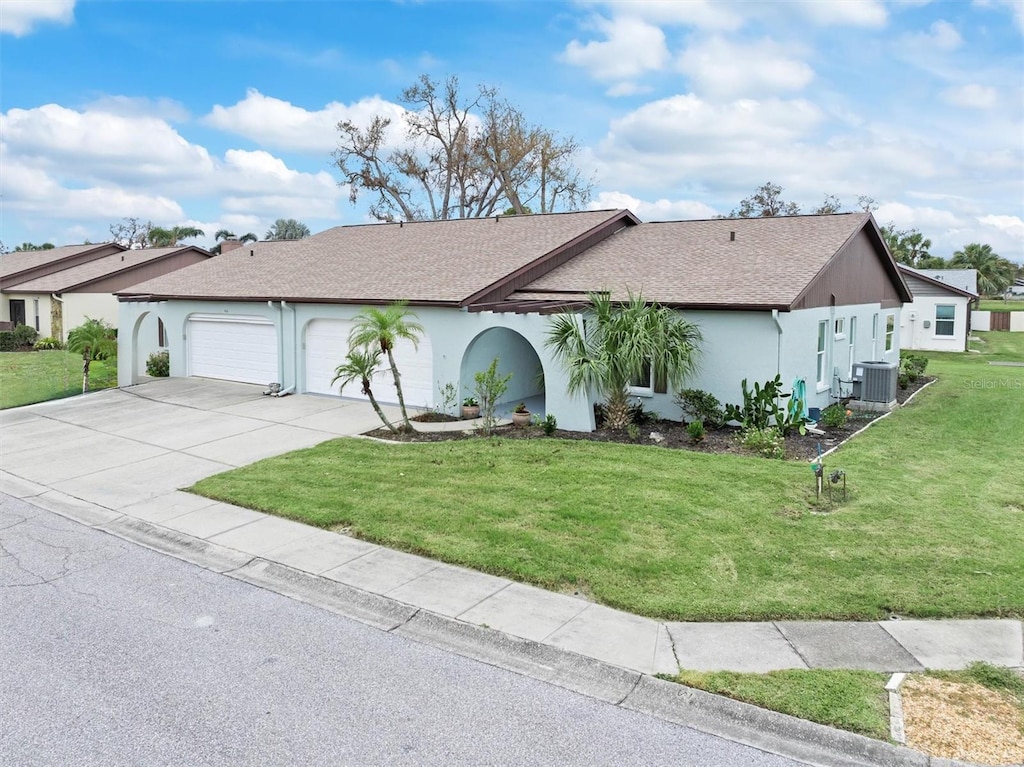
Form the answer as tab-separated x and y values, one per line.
802	296
55	290
1016	290
938	319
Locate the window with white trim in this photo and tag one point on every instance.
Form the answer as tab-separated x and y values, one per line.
822	338
840	327
890	330
945	319
642	385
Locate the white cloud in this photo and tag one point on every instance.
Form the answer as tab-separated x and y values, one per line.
140	106
1015	7
702	14
951	228
280	124
971	96
720	68
1011	226
857	13
19	17
632	48
941	37
659	210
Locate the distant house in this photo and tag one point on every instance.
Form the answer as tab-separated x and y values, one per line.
1016	290
804	297
938	319
54	290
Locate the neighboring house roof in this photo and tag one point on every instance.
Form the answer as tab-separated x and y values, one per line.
456	262
33	263
950	280
964	279
83	274
756	263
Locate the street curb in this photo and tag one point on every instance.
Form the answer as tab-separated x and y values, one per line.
716	715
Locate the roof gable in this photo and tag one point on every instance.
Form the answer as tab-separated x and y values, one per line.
27	265
917	277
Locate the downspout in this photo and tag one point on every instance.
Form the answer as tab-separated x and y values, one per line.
280	335
295	359
778	353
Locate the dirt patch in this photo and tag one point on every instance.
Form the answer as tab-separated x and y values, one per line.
964	721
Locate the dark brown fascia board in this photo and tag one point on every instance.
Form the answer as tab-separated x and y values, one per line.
70	288
888	262
504	287
59	265
528	306
938	283
126	297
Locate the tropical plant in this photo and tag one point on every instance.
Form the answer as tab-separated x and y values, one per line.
287	229
383	328
613	343
696	430
226	234
361	365
995	274
761	408
908	246
167	238
94	340
48	343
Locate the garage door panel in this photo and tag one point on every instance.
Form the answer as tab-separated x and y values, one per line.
327	346
241	350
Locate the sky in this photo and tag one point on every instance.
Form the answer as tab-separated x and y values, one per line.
222	115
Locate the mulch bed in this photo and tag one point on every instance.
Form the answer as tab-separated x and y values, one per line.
670	434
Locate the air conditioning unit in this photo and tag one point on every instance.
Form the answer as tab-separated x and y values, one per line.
875	381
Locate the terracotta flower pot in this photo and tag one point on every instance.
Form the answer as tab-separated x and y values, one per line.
470	412
520	420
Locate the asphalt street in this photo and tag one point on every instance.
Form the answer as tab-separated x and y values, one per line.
111	654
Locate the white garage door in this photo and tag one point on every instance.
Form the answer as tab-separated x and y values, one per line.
233	349
327	345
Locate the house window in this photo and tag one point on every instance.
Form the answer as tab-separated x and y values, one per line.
840	327
822	336
642	385
35	309
161	333
853	341
890	330
945	316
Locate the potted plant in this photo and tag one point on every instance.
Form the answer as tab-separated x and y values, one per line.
470	408
520	416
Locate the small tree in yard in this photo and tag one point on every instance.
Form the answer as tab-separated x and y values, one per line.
616	343
490	386
94	340
361	365
383	329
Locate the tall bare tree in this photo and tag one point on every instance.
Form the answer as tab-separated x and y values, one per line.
131	232
464	157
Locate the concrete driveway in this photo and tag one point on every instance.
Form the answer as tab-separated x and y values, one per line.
120	447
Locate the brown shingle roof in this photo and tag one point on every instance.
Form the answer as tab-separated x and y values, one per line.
14	263
695	263
422	262
90	271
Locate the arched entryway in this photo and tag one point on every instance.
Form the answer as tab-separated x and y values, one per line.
149	335
517	356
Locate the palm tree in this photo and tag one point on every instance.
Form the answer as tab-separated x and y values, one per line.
383	329
995	274
167	238
361	364
287	229
224	234
618	343
94	340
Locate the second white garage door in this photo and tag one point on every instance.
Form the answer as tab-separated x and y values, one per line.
233	349
327	345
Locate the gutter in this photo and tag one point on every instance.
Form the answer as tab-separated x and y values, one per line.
295	358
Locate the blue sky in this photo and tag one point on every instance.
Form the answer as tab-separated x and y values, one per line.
222	114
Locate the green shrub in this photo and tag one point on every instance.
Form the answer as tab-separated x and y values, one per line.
834	416
24	335
159	364
768	442
698	405
7	341
696	430
48	343
912	365
903	380
549	424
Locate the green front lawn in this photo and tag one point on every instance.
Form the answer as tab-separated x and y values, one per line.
988	305
934	524
28	377
850	700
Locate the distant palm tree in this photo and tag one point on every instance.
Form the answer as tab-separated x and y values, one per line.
995	274
287	229
224	234
616	343
94	340
383	329
168	238
361	365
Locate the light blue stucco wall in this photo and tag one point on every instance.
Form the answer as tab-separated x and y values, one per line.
736	345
